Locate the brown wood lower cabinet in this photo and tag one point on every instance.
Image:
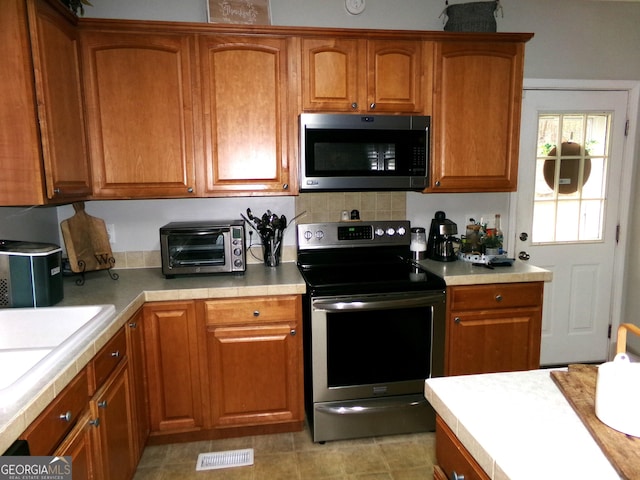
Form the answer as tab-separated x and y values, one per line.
453	459
93	419
255	360
493	328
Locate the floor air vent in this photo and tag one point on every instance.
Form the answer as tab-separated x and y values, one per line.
230	458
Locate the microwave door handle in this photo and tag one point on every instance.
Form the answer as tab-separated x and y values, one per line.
372	303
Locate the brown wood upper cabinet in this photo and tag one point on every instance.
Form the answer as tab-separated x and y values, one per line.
42	143
139	103
247	116
354	75
476	119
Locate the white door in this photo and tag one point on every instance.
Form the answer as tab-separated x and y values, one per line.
567	211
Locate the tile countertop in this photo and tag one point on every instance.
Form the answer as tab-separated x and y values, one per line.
518	426
133	288
459	272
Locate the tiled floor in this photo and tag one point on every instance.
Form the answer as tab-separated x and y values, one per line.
294	456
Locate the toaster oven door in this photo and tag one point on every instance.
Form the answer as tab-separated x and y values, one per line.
191	251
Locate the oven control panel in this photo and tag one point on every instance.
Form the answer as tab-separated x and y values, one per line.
349	234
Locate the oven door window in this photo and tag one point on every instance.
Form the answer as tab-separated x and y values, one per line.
331	153
378	346
203	249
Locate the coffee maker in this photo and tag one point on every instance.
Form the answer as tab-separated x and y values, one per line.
440	243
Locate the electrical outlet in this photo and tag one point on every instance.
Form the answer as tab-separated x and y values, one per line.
111	233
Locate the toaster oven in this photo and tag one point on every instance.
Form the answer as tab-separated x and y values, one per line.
198	247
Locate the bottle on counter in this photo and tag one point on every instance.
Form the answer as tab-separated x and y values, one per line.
498	234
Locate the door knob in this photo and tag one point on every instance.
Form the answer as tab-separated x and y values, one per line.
524	236
524	256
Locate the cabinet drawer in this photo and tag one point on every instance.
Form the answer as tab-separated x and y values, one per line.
495	295
252	309
48	430
107	359
452	456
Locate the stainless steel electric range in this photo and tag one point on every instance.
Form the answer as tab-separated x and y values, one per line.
374	326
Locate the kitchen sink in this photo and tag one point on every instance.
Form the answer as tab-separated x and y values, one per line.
35	342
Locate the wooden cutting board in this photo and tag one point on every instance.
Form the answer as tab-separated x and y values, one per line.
86	241
578	385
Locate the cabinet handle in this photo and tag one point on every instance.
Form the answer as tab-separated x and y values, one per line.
102	404
354	106
456	320
498	298
256	313
372	106
133	325
66	417
115	354
95	422
293	332
455	476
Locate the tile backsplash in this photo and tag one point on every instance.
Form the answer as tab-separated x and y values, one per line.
327	207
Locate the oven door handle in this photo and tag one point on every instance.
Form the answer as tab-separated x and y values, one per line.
375	303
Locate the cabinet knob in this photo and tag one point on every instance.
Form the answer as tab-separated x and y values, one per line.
102	404
437	184
190	190
498	298
57	191
456	476
66	417
285	186
95	422
115	354
372	106
293	332
133	325
456	320
256	313
354	106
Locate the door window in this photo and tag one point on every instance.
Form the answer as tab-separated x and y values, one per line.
570	186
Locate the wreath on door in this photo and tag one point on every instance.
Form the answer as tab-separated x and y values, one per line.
569	167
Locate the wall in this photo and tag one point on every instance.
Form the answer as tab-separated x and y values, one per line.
583	39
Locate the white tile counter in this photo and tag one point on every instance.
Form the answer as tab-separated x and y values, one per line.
518	426
459	272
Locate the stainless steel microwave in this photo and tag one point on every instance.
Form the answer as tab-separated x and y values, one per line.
189	248
349	152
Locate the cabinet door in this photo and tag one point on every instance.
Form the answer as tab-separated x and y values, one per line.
135	349
114	432
56	57
175	377
80	446
139	103
498	341
332	75
395	80
247	117
254	371
476	124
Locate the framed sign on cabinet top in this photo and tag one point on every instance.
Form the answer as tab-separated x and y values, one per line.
249	12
